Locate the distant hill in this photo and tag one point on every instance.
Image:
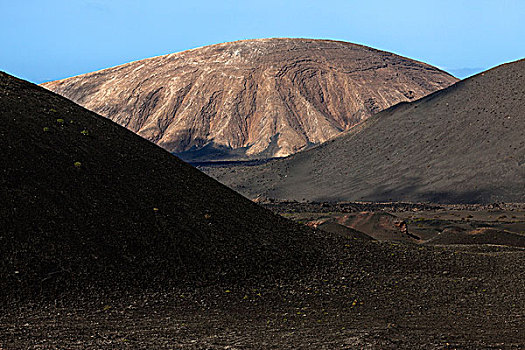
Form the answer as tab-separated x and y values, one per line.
88	205
252	99
465	143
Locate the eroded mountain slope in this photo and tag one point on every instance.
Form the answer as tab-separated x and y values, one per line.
252	99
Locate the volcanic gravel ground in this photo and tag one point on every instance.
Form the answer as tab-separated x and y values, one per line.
394	296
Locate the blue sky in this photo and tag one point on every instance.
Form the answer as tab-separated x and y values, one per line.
53	39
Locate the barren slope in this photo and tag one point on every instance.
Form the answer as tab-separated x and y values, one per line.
465	143
252	99
87	205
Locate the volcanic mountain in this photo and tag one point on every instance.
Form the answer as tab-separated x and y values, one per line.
252	99
88	204
465	143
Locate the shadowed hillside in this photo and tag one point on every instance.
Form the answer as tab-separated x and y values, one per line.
88	204
465	143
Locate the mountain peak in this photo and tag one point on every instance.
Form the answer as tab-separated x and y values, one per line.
252	98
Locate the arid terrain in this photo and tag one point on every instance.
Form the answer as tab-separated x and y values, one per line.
252	99
109	242
462	144
416	223
88	203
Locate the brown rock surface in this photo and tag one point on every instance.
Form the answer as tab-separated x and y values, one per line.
252	99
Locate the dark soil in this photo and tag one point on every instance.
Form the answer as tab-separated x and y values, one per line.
87	205
462	144
397	296
133	248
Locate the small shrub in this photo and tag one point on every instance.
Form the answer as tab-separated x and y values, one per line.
85	132
77	165
60	121
46	129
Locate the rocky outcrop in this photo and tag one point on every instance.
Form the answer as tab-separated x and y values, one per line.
252	99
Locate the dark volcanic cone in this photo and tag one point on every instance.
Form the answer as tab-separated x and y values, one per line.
465	143
87	204
252	99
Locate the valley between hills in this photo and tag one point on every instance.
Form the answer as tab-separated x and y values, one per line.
337	196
